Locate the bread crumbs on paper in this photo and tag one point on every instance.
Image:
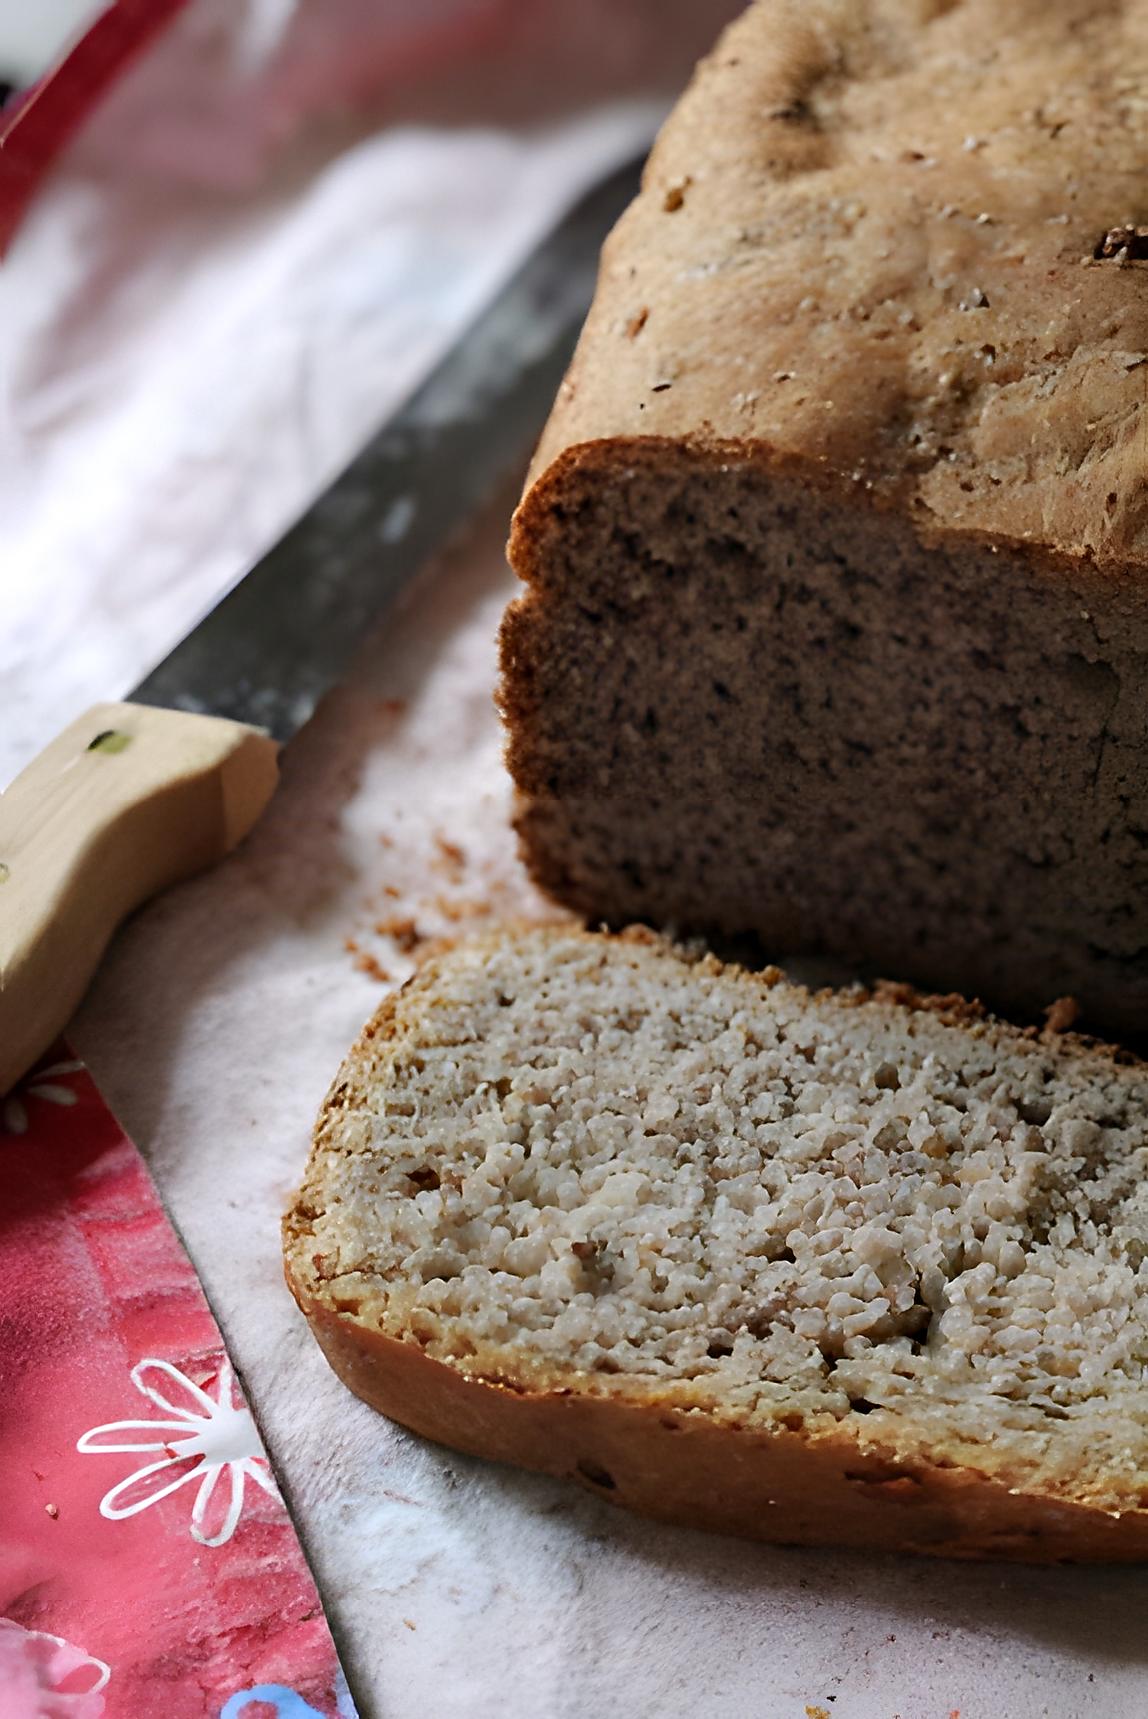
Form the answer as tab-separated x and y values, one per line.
455	909
365	962
451	858
402	931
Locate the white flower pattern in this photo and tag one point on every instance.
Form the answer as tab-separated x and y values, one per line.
44	1084
218	1445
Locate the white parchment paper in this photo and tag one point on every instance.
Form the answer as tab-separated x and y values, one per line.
186	369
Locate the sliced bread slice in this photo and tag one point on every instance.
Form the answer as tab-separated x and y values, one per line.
824	1267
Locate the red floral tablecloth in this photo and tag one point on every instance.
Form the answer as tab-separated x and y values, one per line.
148	1566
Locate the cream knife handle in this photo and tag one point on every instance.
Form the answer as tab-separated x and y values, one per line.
126	801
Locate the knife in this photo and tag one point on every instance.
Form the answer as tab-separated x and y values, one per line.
135	796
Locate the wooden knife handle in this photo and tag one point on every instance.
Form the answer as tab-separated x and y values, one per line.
125	802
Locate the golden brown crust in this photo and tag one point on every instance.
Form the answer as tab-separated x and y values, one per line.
683	1466
880	267
958	1011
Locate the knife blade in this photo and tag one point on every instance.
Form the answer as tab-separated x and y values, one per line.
135	796
285	632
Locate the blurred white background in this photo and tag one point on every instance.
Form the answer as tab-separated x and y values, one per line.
34	32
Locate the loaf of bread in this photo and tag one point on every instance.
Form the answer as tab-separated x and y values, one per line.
835	627
838	1267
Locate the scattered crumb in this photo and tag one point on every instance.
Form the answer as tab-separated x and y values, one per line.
409	1624
1061	1015
816	1713
442	887
452	858
454	909
402	931
53	1510
365	962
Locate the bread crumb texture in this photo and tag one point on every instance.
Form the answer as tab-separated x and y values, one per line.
902	241
600	1163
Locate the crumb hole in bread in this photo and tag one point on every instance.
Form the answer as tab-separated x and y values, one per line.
885	1474
596	1475
902	1489
424	1177
1128	241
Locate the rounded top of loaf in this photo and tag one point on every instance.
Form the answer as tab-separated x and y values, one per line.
903	243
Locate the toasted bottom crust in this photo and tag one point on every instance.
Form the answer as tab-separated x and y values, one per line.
773	1484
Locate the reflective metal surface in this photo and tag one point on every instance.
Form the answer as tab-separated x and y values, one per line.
284	633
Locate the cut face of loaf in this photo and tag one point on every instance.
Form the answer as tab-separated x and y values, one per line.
740	704
835	620
830	1267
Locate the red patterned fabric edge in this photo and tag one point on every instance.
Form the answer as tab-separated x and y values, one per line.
147	1563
